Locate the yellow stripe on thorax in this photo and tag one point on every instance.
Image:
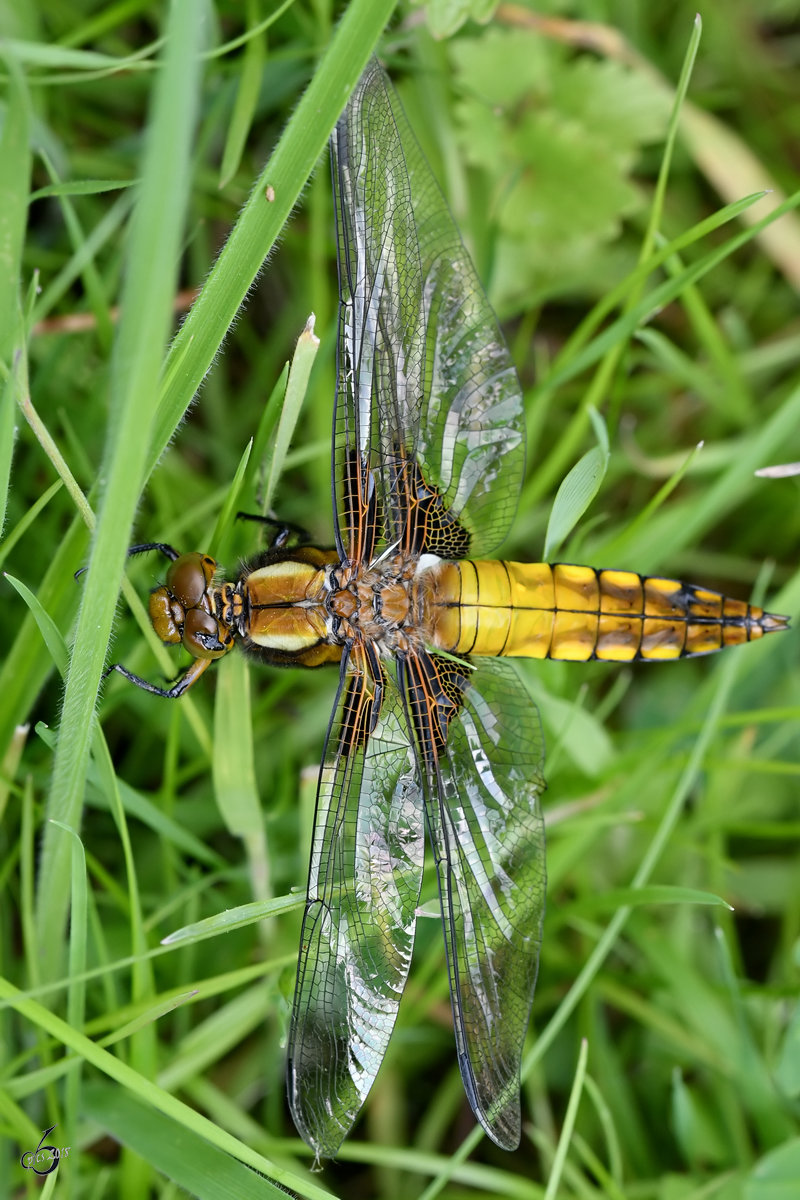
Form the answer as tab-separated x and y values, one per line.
533	610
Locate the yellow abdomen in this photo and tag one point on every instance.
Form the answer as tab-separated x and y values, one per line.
533	610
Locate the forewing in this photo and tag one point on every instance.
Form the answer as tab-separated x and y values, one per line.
426	390
480	746
363	890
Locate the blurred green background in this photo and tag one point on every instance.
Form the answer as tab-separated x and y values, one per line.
546	124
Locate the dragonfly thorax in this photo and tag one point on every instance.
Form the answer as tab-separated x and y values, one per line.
381	603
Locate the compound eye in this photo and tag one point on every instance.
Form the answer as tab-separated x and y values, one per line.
189	576
163	616
204	637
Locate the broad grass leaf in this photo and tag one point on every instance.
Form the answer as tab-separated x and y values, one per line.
777	1175
577	491
787	1072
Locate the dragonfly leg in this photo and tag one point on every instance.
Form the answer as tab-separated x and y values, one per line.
283	529
168	551
178	688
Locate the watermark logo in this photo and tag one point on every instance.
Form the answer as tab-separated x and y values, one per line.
44	1159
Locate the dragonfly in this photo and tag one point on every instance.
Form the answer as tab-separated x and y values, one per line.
432	729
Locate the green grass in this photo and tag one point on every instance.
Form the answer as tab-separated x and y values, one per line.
670	788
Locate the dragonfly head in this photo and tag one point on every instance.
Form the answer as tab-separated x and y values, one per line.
183	609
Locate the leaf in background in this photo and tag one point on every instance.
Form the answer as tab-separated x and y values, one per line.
15	168
557	138
582	191
446	16
234	770
775	1176
220	540
581	737
304	354
82	187
578	489
787	1070
623	107
244	108
656	893
695	1125
504	69
178	1151
50	632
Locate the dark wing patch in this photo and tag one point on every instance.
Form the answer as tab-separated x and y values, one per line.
429	526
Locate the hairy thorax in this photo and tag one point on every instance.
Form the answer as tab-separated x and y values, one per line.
383	603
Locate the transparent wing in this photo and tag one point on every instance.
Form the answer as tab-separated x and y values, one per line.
480	741
428	403
363	890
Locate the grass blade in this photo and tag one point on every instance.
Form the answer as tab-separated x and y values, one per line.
154	243
261	220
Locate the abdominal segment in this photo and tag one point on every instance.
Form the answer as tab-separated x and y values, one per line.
533	610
